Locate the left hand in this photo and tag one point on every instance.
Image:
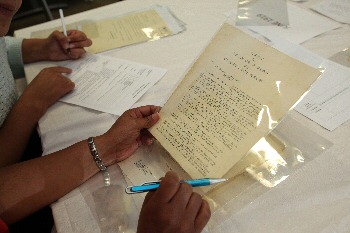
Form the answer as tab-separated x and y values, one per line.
128	133
46	88
57	45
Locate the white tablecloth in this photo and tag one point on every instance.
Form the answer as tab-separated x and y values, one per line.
315	198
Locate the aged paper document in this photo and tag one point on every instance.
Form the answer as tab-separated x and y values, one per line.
129	29
234	94
148	24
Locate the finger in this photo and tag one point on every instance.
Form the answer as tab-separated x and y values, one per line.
60	69
193	206
62	39
80	44
148	197
203	217
146	137
168	187
147	122
145	111
75	35
76	53
182	196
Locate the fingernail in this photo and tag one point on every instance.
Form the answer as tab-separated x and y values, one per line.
154	116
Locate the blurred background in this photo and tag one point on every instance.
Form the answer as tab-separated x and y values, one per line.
35	12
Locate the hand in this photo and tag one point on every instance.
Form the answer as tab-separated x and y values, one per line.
47	87
57	45
128	133
173	208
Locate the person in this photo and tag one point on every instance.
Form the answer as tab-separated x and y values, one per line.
28	186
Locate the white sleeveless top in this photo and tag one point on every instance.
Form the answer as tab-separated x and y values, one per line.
8	92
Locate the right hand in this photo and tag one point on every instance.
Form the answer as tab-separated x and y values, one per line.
173	208
47	88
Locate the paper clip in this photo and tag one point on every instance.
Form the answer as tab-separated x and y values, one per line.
144	187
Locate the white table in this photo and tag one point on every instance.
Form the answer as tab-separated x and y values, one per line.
314	198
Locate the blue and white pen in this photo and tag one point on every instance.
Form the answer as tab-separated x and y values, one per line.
153	185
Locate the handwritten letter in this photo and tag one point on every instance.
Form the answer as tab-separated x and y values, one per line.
236	92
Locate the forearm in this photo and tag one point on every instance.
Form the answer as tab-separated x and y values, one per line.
31	185
17	130
33	50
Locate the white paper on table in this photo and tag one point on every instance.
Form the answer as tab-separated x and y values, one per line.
328	101
303	25
150	163
109	84
338	10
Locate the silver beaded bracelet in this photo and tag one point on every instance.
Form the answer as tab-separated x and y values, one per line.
95	155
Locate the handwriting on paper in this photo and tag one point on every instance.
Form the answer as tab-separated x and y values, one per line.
211	105
140	164
218	111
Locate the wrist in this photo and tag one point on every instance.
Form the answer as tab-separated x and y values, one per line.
105	149
31	108
34	50
35	105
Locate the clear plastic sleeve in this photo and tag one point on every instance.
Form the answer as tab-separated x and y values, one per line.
135	27
343	57
262	13
271	161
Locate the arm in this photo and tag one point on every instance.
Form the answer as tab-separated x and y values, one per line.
22	120
49	86
31	185
54	48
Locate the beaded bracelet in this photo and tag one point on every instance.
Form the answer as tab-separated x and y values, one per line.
95	155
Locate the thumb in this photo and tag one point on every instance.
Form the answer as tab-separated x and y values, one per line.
148	122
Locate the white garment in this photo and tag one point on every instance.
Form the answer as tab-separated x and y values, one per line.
8	94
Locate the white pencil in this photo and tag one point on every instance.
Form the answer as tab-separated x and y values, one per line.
63	25
62	21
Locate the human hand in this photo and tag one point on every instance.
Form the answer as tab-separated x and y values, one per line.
128	133
173	208
47	87
60	47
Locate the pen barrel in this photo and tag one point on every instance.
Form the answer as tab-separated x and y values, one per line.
153	187
145	188
198	182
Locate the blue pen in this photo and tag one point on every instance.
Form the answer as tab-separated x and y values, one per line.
153	185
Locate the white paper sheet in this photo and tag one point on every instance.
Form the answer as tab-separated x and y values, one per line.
338	10
109	84
303	25
328	101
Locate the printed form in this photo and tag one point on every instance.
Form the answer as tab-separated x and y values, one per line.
327	102
109	84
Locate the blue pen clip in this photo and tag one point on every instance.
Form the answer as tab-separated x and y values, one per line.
145	187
